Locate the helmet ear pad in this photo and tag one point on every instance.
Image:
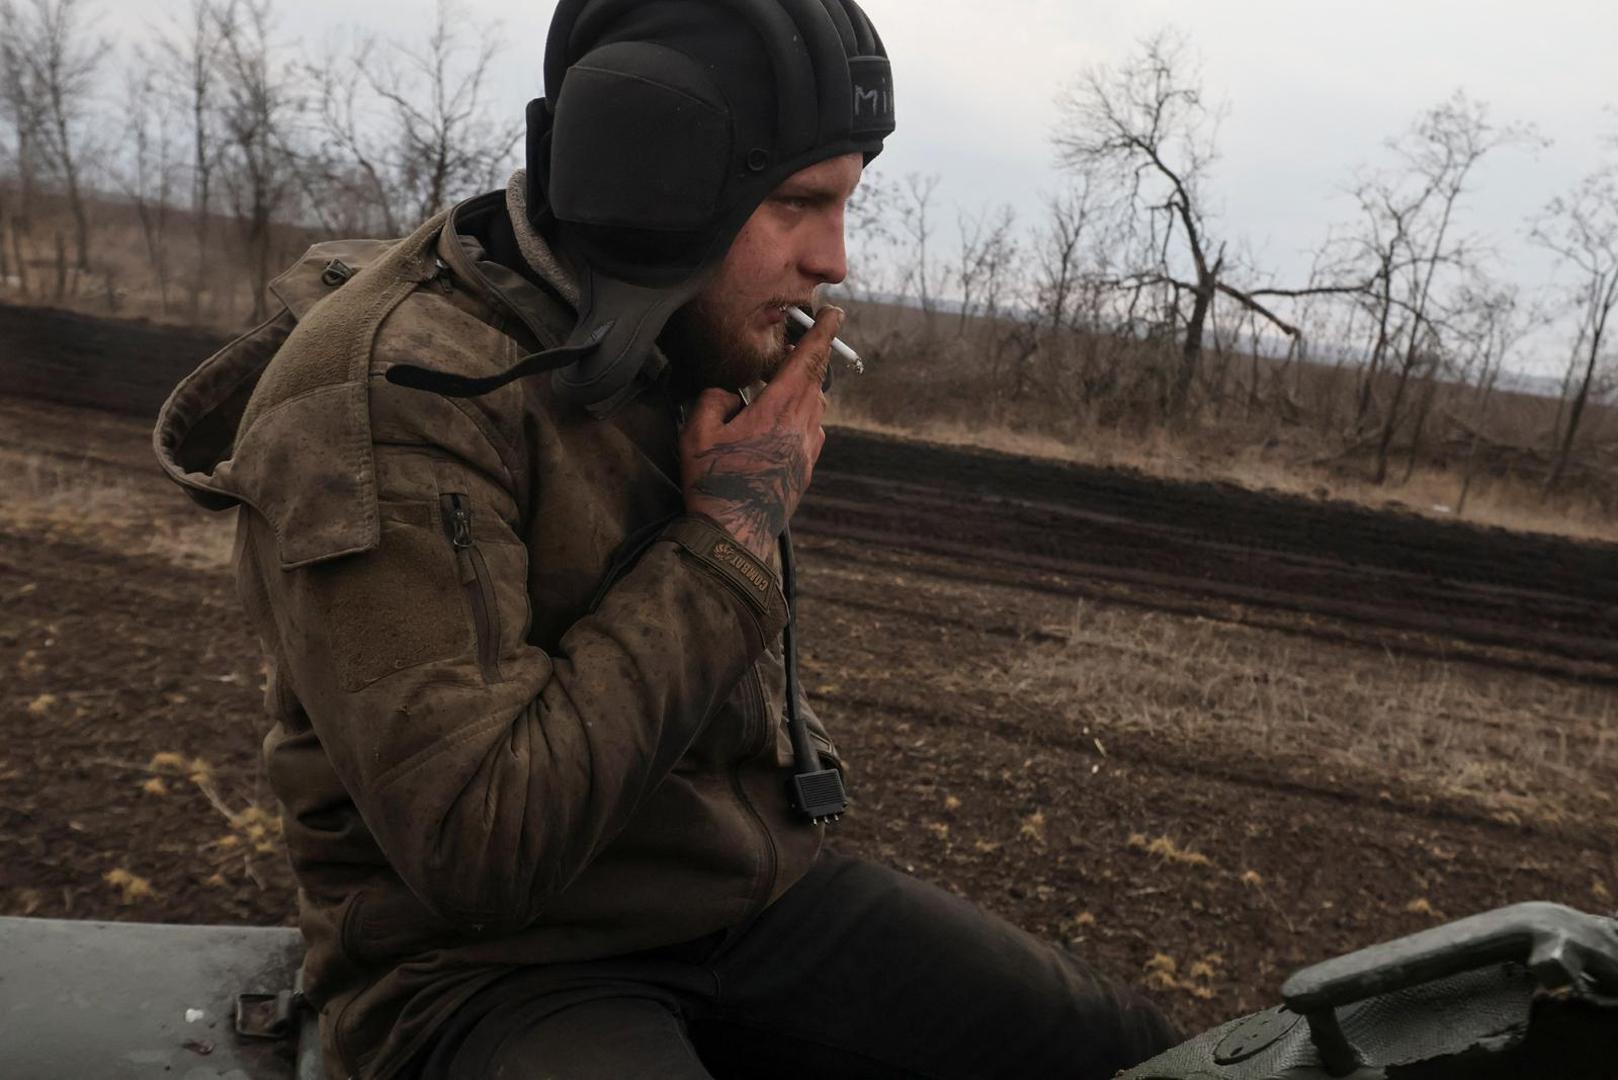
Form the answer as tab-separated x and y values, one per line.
642	139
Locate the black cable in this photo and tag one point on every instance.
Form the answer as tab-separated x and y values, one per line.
815	790
803	747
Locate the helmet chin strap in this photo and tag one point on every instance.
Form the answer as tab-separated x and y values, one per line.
450	385
624	321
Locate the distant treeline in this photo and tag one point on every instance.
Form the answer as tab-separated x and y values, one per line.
176	174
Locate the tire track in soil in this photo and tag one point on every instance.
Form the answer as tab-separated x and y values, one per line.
1076	524
1370	636
974	620
1261	521
985	718
1563	605
1460	617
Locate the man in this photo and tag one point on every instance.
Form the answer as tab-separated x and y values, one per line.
552	808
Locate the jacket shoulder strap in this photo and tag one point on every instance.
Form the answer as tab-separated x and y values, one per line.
324	267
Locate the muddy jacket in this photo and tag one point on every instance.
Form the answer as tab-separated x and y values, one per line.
524	710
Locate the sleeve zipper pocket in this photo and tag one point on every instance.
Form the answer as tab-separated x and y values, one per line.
474	575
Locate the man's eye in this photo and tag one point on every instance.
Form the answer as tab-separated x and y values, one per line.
794	202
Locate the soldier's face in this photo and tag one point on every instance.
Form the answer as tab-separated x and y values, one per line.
734	332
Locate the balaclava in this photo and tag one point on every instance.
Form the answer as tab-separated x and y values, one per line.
665	124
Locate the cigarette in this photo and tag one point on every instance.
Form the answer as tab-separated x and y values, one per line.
851	358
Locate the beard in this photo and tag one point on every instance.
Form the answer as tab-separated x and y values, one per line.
711	345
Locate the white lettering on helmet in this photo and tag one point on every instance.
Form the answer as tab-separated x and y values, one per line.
877	101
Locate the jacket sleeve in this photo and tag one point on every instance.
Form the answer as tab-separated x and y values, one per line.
491	775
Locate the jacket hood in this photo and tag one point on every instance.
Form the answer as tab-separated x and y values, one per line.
295	441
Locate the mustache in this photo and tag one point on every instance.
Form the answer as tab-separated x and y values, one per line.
805	302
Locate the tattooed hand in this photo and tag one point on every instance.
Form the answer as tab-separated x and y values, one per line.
748	469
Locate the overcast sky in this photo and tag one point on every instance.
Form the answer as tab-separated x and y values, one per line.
1311	91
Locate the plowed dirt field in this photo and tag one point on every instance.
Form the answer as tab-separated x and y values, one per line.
1202	735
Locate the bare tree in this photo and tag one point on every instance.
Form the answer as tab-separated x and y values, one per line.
1382	250
149	176
1581	228
990	274
1002	263
258	113
353	149
1412	236
1142	133
416	130
60	62
191	51
1058	253
986	253
915	218
872	239
23	108
1492	320
1057	262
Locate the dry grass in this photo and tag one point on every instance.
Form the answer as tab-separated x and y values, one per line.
88	503
123	279
1166	849
255	831
1518	746
1162	972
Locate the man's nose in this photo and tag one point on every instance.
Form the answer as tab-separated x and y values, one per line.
826	257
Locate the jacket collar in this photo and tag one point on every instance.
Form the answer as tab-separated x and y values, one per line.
546	314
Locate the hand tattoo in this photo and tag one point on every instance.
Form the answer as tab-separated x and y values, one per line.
752	485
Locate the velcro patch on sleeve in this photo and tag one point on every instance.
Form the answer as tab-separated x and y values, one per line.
396	607
750	578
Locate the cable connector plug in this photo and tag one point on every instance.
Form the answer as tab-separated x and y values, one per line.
818	795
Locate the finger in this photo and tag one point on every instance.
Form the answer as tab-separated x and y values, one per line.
713	409
808	362
828	321
812	407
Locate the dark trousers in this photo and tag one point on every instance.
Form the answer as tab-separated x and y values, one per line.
858	971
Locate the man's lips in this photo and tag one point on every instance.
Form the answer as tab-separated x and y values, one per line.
775	313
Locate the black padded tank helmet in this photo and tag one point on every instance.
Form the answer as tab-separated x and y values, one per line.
665	123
